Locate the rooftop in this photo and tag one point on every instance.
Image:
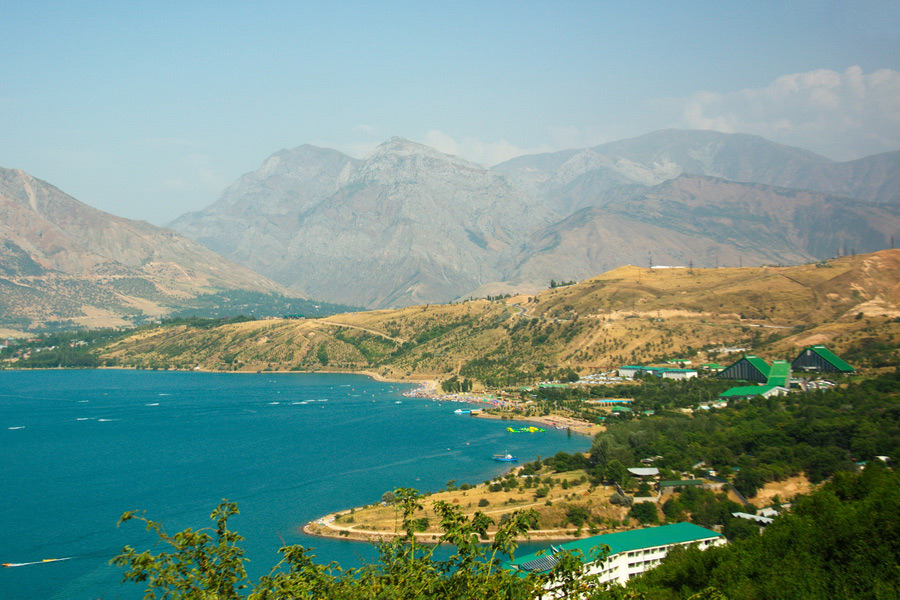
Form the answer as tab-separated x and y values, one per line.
747	390
831	357
643	471
780	373
622	541
680	482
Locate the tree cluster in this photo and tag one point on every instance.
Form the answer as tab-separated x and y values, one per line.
841	541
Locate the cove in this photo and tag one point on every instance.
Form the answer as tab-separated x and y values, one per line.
80	447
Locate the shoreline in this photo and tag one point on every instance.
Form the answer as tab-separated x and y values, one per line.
325	527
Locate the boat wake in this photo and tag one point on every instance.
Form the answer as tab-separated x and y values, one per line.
37	562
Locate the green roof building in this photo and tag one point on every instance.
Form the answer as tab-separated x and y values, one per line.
751	391
630	552
676	483
820	358
749	368
780	374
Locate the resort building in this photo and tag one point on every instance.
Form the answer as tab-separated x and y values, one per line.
644	471
751	391
758	519
776	379
629	371
780	374
630	552
820	358
749	368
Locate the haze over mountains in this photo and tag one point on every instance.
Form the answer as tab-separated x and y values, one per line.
61	260
410	225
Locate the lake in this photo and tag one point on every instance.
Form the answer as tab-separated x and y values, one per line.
78	448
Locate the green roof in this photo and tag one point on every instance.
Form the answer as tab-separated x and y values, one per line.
831	357
746	390
780	373
680	482
759	363
712	366
621	409
623	541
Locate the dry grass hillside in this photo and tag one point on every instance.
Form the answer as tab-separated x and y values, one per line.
628	315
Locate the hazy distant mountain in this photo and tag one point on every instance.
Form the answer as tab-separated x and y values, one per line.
706	222
409	224
63	260
406	225
573	179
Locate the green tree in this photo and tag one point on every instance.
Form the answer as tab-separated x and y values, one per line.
616	472
205	566
645	512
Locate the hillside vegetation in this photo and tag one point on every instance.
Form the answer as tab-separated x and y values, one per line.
628	315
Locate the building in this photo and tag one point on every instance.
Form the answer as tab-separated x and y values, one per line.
820	358
630	371
749	368
630	552
758	519
780	374
671	485
644	471
751	391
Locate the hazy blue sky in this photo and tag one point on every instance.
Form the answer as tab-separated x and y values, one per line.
149	109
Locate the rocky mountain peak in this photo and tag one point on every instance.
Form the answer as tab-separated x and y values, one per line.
401	148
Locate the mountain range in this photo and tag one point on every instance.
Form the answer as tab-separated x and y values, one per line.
62	261
411	225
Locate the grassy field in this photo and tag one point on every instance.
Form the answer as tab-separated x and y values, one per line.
554	508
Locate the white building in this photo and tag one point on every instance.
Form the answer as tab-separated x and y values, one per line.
629	372
630	552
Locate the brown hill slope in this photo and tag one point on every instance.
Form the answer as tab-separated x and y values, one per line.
61	260
627	315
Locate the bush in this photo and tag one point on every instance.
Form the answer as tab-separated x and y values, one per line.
645	512
483	502
620	500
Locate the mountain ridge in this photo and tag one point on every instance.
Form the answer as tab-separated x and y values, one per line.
409	224
62	260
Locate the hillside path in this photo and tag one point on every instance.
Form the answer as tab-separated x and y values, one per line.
366	329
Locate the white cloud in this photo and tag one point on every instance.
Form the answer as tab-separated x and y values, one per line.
841	115
476	150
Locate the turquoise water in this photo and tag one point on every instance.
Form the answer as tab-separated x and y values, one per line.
78	448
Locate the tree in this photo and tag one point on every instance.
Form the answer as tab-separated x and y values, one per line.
840	541
388	497
645	512
205	566
616	472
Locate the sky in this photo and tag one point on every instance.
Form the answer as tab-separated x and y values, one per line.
150	109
